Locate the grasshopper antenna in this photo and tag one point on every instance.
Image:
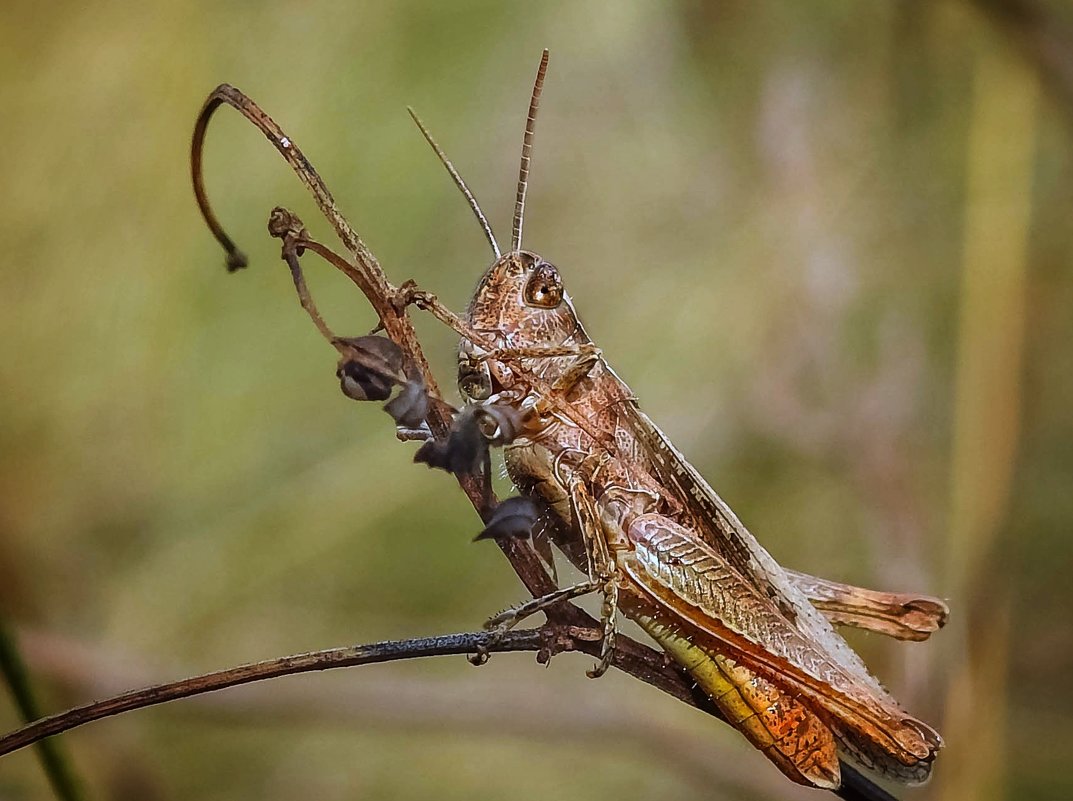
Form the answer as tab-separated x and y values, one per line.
446	162
527	148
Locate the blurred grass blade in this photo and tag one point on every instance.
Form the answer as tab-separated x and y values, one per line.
53	760
987	418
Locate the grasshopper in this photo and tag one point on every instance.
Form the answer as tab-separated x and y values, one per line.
656	541
601	481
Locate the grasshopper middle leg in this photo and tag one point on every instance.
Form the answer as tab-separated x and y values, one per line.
602	567
510	618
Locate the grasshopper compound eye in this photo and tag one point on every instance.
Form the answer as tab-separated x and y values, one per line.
544	289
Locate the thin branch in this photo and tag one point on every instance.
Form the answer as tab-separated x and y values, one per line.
328	659
482	705
546	641
54	762
225	93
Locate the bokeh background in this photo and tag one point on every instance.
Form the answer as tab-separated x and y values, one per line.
828	244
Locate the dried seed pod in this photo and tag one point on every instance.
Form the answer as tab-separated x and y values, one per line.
514	517
500	424
410	407
387	352
462	453
358	383
474	430
433	453
371	369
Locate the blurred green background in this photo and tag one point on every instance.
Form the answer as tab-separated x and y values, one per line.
828	244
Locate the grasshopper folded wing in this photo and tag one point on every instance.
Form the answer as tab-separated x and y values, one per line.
723	613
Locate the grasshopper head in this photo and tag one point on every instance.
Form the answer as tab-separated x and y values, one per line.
519	303
521	300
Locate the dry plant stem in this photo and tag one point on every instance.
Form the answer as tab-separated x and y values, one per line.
367	275
390	304
225	93
304	297
476	705
390	651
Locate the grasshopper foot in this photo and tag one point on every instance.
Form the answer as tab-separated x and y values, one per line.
607	646
599	669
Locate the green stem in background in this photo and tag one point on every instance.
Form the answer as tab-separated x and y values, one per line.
987	419
53	760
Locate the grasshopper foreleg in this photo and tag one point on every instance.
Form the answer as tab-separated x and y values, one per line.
579	370
409	294
586	352
587	356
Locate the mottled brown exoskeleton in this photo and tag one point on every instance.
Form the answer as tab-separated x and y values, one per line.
661	546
